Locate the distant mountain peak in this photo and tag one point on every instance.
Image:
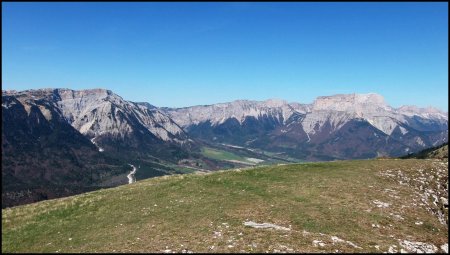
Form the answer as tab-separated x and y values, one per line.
413	108
94	93
275	102
349	102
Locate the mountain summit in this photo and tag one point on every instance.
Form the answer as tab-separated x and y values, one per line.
349	102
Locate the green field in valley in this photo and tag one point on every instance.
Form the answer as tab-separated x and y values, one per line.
224	155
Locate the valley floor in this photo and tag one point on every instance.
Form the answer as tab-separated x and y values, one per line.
344	206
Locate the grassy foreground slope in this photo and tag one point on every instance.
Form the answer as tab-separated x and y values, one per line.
375	205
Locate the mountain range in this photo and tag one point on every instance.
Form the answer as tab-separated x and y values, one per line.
58	142
332	127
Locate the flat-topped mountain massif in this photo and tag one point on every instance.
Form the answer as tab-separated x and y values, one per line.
59	142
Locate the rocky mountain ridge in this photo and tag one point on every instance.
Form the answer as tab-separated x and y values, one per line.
57	142
308	125
369	106
97	112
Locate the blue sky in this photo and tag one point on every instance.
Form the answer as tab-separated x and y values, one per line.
182	54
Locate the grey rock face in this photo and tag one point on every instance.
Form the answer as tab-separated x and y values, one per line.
217	114
308	125
98	112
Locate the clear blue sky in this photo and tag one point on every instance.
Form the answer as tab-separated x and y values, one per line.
182	54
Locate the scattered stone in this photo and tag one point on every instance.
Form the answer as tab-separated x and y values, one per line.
217	234
444	201
398	217
444	247
380	204
336	239
318	243
418	247
392	249
353	245
265	225
419	223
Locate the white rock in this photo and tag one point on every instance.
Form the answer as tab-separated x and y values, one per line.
265	225
418	247
318	243
444	247
392	249
380	204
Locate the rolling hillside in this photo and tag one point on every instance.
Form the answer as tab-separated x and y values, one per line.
438	152
389	205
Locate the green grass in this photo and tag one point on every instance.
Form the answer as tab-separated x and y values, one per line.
183	212
184	170
222	155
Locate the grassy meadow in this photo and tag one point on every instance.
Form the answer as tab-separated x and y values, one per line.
321	203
